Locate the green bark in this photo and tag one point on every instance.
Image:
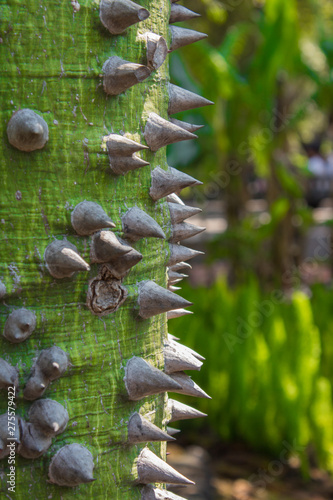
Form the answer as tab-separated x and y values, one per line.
51	60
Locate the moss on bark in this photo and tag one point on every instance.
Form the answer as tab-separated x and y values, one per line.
51	59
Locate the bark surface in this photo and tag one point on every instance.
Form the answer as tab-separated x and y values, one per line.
52	53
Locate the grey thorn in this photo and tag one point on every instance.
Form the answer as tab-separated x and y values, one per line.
33	442
190	127
105	246
177	313
152	469
189	387
179	411
183	36
180	253
120	165
165	182
180	265
172	431
71	465
62	259
177	360
2	290
88	217
184	230
36	385
151	493
118	15
160	132
183	100
120	75
174	198
174	277
173	340
178	213
119	145
48	416
142	379
172	337
157	50
138	224
8	375
52	362
154	299
120	267
19	325
140	430
6	434
179	14
27	131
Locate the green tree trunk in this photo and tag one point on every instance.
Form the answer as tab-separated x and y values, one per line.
52	55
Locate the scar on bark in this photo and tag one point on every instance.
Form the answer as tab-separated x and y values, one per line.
105	293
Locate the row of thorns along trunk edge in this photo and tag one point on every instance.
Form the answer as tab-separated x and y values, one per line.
27	131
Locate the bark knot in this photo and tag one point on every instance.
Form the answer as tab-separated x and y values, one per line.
105	293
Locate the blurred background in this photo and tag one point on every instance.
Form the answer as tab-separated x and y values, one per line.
263	292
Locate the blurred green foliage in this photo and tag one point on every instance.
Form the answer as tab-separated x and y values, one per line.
268	65
269	367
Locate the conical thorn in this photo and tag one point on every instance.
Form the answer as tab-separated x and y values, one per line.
88	217
189	387
174	198
180	253
190	127
180	265
141	430
117	15
119	75
138	224
154	299
160	132
177	313
62	259
142	379
120	165
172	431
183	100
175	277
176	359
183	230
165	182
106	247
152	469
178	213
179	411
8	375
121	266
179	14
183	36
119	145
172	339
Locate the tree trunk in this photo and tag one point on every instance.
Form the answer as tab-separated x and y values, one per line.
52	54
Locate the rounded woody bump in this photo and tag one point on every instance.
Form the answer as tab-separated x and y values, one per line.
27	131
19	325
